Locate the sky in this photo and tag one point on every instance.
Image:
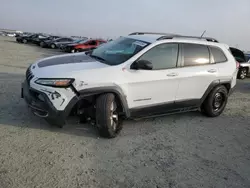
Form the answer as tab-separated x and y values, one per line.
226	20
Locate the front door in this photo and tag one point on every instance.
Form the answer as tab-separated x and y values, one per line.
154	89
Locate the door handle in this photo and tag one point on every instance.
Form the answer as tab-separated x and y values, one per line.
172	74
212	70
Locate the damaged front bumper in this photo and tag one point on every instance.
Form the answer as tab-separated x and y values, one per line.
41	105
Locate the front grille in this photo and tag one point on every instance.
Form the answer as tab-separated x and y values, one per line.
29	75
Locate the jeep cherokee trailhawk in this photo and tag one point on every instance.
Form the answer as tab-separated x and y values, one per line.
140	75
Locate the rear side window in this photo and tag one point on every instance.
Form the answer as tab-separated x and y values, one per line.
195	54
218	54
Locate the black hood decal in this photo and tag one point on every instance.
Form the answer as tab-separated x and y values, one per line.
66	60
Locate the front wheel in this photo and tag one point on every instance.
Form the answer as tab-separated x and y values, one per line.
107	116
53	46
41	44
215	102
25	41
242	73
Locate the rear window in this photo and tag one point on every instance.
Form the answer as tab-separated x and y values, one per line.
248	57
218	54
195	54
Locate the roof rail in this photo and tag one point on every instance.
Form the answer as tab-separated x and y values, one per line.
150	33
192	37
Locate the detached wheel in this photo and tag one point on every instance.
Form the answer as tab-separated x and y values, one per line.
53	46
215	102
24	41
107	118
242	74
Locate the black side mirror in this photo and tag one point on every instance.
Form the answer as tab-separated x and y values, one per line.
142	64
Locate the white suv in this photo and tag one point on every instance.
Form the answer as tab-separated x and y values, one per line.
140	75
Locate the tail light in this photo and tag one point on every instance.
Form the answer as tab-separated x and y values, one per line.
237	65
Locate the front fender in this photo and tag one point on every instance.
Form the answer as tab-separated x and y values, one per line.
108	89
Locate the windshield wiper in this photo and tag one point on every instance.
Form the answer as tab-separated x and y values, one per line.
97	57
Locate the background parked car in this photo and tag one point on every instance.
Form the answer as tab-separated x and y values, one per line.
11	34
84	46
41	41
30	38
247	57
80	41
2	33
240	57
58	42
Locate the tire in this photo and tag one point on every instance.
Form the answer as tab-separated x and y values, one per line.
242	74
53	46
24	41
107	107
41	44
215	102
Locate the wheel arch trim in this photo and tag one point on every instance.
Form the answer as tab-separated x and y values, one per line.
107	89
213	84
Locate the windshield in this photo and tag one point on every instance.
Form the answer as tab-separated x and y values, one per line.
119	50
81	41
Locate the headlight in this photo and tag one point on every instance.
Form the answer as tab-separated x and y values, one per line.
56	82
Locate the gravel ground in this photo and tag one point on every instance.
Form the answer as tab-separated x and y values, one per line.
185	150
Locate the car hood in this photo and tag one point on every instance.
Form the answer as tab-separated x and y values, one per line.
64	65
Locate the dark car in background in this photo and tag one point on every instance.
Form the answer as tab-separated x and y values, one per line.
80	41
84	45
58	42
42	41
33	38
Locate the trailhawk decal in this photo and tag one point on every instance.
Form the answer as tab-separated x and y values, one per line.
139	43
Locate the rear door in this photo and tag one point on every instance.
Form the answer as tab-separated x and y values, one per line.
196	74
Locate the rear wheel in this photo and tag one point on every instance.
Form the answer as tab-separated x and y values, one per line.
215	102
242	74
24	41
107	116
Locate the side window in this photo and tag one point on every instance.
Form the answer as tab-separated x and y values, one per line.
195	54
92	42
101	42
218	54
163	56
61	40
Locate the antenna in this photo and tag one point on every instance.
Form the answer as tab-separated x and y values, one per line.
203	33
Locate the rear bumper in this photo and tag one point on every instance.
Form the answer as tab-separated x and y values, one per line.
41	105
